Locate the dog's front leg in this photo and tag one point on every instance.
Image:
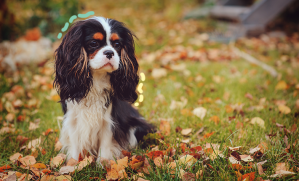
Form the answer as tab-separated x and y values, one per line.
106	144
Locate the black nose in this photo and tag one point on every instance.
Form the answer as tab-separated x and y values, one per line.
108	53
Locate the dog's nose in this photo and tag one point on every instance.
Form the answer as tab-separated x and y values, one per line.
108	53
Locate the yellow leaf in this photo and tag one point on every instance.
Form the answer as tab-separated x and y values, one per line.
258	121
284	109
228	109
39	165
281	85
215	119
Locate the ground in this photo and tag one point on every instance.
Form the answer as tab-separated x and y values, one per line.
199	94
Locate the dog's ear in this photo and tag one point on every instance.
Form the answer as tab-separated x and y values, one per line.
73	78
125	79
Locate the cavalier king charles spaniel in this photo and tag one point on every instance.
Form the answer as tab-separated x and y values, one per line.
96	79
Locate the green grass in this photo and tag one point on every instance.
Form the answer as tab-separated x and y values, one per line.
246	78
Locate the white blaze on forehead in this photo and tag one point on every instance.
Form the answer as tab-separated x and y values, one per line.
106	26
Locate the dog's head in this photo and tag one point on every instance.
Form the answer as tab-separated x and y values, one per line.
96	45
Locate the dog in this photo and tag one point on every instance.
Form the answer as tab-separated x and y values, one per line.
96	75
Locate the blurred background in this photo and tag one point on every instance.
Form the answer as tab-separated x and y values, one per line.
156	23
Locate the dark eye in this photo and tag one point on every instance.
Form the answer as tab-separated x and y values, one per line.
116	45
93	44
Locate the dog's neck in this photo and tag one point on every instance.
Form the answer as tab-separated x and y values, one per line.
100	88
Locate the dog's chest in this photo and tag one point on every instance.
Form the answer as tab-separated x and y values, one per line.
90	118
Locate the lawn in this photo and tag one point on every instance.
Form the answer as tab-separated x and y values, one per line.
210	106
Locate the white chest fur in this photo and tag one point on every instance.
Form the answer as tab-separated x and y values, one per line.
88	125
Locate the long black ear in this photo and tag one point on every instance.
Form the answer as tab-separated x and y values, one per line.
125	79
73	78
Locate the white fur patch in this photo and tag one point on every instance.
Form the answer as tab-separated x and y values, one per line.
88	125
106	26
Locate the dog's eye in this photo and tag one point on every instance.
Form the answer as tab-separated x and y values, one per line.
116	45
93	44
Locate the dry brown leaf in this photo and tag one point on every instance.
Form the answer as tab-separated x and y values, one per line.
215	119
187	160
186	131
39	165
117	171
63	178
66	169
72	162
258	121
281	85
33	126
159	72
260	169
235	148
284	109
10	117
158	162
15	157
48	178
25	177
165	127
246	158
58	146
56	161
27	160
200	112
263	147
34	143
188	176
86	161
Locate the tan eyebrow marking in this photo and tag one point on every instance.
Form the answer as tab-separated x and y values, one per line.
98	36
114	37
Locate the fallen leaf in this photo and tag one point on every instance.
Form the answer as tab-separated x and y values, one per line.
228	109
235	148
63	178
200	112
233	160
208	134
33	126
249	96
284	109
215	119
248	176
246	158
186	131
281	85
27	160
48	131
56	161
165	127
188	176
187	160
253	150
10	117
39	165
58	146
86	161
15	157
154	154
258	121
159	72
158	161
260	169
72	162
66	169
34	143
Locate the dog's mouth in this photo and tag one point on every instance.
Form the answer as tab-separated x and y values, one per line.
107	65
